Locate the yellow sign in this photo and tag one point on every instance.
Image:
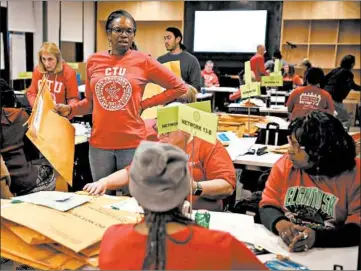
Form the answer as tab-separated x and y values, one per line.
277	67
153	89
247	72
167	120
198	123
272	81
25	75
74	65
250	90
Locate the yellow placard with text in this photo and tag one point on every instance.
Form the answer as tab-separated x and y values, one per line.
153	89
250	90
198	123
74	65
25	75
272	81
167	117
247	72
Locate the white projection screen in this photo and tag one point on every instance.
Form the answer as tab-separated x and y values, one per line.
235	31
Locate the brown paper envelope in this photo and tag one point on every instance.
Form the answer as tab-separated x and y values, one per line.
76	229
27	235
40	254
55	137
93	261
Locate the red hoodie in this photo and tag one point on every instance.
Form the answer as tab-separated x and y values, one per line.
63	86
114	91
257	66
210	78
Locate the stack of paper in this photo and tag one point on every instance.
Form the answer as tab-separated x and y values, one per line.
48	239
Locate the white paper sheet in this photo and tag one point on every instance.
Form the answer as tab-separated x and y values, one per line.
268	240
2	52
17	55
240	146
129	205
237	225
54	199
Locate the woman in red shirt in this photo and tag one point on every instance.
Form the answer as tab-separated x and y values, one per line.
60	77
114	89
290	75
312	196
166	239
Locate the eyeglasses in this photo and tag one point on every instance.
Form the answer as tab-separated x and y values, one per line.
294	145
127	31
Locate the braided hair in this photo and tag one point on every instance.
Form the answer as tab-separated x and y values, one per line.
329	147
156	243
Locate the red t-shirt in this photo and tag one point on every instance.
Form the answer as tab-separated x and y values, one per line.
210	162
304	100
318	204
114	91
257	66
63	86
296	80
122	248
210	78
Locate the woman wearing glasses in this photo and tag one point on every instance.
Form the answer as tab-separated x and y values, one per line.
312	196
114	88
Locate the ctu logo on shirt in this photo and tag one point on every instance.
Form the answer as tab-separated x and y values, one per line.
115	71
57	85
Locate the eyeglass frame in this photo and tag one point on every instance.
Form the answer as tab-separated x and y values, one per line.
121	30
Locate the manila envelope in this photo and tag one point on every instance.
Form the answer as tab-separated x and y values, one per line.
52	134
153	89
76	229
40	254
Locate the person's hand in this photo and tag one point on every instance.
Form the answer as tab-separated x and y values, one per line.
96	188
304	241
63	110
287	231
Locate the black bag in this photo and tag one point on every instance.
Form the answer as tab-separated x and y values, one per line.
272	136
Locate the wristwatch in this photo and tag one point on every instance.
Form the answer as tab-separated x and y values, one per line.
198	191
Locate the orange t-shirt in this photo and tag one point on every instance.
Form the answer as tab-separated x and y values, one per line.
304	100
210	162
210	78
123	248
114	91
296	80
318	204
63	86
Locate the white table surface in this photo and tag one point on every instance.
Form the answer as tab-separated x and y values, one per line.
274	109
265	160
323	259
220	89
204	95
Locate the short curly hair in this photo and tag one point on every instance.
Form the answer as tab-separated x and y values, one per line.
330	148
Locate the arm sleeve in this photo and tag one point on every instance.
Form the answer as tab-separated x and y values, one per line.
297	80
84	106
33	89
260	66
71	87
160	75
343	236
243	258
270	204
351	83
354	202
330	105
235	96
291	102
195	75
218	164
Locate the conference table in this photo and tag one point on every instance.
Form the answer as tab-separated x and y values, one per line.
263	110
215	90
